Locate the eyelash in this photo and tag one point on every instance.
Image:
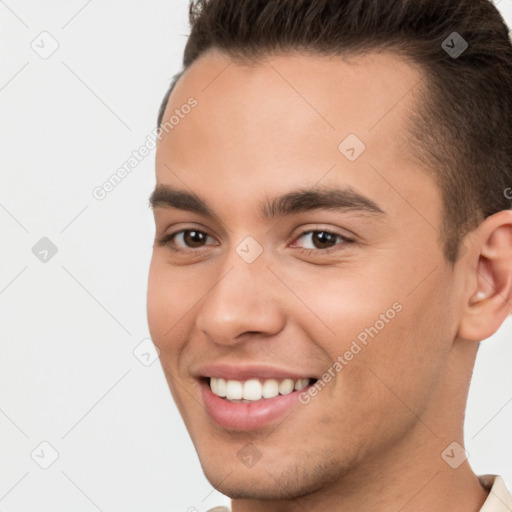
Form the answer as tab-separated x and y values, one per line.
168	240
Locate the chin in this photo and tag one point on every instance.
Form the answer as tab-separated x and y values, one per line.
269	482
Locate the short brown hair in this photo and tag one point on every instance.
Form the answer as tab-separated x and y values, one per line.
463	129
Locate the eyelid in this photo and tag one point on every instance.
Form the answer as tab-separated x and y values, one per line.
344	233
345	240
167	239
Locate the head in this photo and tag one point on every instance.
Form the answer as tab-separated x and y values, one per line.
333	207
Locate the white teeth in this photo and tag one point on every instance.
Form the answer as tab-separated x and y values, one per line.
234	390
270	388
221	387
301	384
253	390
286	387
214	386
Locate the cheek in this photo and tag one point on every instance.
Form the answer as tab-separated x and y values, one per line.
168	301
167	306
393	343
402	366
343	306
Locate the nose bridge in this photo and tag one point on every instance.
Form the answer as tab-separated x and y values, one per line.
242	298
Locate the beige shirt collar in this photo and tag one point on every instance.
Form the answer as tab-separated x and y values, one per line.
499	499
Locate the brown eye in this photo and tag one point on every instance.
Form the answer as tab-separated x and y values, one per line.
321	239
185	239
193	238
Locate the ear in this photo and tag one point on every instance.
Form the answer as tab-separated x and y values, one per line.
488	294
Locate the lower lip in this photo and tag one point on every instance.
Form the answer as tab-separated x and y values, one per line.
247	416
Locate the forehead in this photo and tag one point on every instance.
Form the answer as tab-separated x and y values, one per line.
286	118
355	92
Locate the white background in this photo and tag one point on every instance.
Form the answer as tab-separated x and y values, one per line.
68	327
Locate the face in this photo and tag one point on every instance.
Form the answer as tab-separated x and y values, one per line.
296	259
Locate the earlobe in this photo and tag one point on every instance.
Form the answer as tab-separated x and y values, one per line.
490	295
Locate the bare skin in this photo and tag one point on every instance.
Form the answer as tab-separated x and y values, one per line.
373	438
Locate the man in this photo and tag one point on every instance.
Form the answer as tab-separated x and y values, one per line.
333	241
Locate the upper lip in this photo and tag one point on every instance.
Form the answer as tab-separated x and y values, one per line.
247	371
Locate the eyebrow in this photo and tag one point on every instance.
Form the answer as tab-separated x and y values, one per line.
296	201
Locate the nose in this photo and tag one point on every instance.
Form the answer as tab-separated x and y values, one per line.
244	300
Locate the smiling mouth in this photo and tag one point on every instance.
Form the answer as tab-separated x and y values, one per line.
255	390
